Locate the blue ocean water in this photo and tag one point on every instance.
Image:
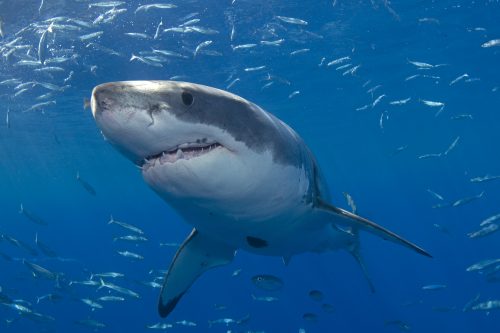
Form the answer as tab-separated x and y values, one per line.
420	78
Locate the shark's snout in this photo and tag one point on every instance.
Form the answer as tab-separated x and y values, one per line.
103	98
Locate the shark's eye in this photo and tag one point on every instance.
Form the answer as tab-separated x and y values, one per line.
187	98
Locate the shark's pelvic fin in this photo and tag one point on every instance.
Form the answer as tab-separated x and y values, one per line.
354	250
358	222
196	255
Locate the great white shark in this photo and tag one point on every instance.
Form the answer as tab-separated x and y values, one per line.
240	176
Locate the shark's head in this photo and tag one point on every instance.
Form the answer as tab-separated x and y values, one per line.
192	140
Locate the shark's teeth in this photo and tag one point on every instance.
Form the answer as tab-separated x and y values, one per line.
183	151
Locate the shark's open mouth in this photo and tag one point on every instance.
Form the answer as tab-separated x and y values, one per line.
184	151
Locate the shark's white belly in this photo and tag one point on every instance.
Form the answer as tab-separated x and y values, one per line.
270	205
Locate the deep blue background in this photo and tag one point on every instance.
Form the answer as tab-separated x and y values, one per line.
41	153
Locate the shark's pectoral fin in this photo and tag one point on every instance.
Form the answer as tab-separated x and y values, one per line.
196	255
359	222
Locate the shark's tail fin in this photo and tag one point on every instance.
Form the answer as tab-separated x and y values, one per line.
354	221
354	250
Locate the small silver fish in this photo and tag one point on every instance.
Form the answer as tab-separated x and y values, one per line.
90	323
42	45
435	195
277	42
482	265
40	106
106	4
434	287
351	71
253	69
291	20
427	156
267	282
300	51
483	179
190	22
485	231
471	303
89	188
338	61
328	308
50	297
139	35
31	216
350	202
131	238
373	89
459	78
146	8
91	36
128	254
145	61
186	323
491	43
265	298
432	103
309	316
201	46
39	271
118	289
111	299
160	326
201	30
490	220
232	83
316	295
44	248
467	200
85	283
377	100
452	146
243	46
158	31
107	275
2	34
462	116
488	305
400	101
342	67
126	226
91	303
50	69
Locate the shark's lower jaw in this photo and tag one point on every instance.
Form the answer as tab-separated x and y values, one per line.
184	151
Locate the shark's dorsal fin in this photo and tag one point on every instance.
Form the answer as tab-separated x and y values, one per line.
196	255
359	222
